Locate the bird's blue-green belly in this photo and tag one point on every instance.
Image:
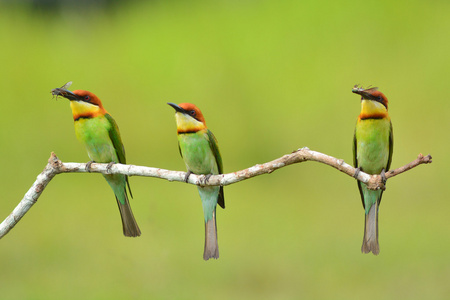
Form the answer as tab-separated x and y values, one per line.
200	159
94	134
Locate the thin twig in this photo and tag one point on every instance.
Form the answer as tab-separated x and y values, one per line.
55	166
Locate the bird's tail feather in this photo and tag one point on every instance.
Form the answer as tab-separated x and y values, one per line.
211	246
129	224
370	241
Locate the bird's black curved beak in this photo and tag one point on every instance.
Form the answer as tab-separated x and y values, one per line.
65	93
365	93
177	108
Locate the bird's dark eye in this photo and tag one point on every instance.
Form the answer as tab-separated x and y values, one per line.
87	98
192	113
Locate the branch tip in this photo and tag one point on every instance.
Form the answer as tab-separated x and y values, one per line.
54	161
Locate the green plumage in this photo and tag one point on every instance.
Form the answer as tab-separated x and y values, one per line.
101	137
201	156
372	152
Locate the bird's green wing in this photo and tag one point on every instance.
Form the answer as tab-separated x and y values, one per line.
355	164
355	159
179	149
391	147
215	149
114	135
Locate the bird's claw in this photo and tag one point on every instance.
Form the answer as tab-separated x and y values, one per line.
88	166
207	176
357	171
186	178
383	176
108	167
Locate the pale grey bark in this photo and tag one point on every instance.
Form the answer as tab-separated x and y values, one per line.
55	166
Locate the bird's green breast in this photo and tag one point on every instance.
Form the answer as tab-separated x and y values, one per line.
372	144
94	134
197	153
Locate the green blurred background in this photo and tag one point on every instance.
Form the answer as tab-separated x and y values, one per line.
270	77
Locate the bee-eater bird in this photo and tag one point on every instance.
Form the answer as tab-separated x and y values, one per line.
372	153
98	131
199	150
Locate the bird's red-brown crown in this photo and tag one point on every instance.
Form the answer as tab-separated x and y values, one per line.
193	111
89	97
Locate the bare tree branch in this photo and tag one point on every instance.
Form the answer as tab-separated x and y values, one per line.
55	166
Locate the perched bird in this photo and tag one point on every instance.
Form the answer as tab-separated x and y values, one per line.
200	153
372	153
98	131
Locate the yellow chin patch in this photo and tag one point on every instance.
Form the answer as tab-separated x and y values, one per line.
370	108
187	124
84	109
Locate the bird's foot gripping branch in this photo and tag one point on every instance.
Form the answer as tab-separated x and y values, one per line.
55	166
